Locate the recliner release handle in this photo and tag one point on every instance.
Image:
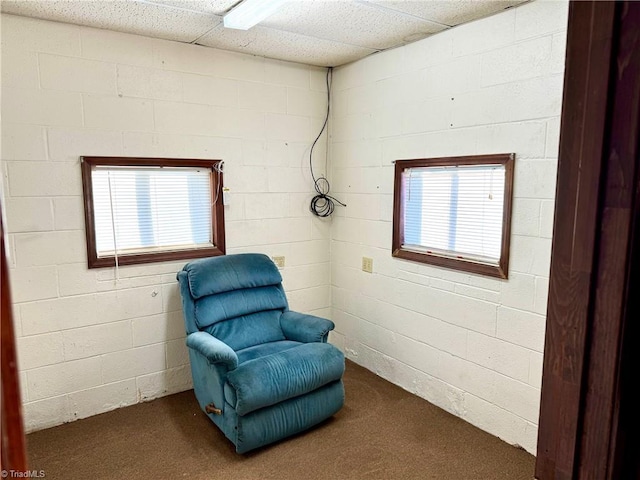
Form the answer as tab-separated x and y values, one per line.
211	408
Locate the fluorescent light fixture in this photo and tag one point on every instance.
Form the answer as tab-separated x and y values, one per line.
251	12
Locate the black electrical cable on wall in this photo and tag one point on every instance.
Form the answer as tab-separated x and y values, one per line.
323	204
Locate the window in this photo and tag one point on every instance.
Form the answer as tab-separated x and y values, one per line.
454	212
141	210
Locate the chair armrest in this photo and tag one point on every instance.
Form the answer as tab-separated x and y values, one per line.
305	328
213	349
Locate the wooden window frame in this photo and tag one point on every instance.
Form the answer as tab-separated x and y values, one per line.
217	211
467	265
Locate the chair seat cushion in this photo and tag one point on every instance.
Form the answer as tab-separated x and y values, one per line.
286	374
264	349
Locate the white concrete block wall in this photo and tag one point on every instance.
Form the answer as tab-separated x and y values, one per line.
86	342
470	344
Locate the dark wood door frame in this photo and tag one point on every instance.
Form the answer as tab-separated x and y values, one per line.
585	419
13	440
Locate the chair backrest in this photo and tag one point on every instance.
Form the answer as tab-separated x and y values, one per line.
236	298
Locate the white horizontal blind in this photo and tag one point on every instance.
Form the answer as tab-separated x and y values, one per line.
455	211
152	209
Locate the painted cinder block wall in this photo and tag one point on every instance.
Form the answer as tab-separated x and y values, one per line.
86	342
467	343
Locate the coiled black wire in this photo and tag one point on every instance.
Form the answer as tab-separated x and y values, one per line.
323	204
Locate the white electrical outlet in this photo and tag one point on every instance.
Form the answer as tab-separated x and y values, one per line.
367	264
279	261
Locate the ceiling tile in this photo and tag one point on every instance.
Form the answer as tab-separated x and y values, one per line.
352	23
315	32
283	45
131	16
447	12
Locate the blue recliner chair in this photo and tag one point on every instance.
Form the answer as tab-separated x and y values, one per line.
260	371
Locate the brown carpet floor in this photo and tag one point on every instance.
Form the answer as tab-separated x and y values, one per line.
383	432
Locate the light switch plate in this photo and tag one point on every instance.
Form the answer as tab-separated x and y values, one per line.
367	264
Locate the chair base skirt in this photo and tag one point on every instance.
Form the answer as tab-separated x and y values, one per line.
284	419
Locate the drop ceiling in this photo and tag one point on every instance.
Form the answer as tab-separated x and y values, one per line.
314	32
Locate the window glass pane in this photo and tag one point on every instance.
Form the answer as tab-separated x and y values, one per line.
152	208
456	211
